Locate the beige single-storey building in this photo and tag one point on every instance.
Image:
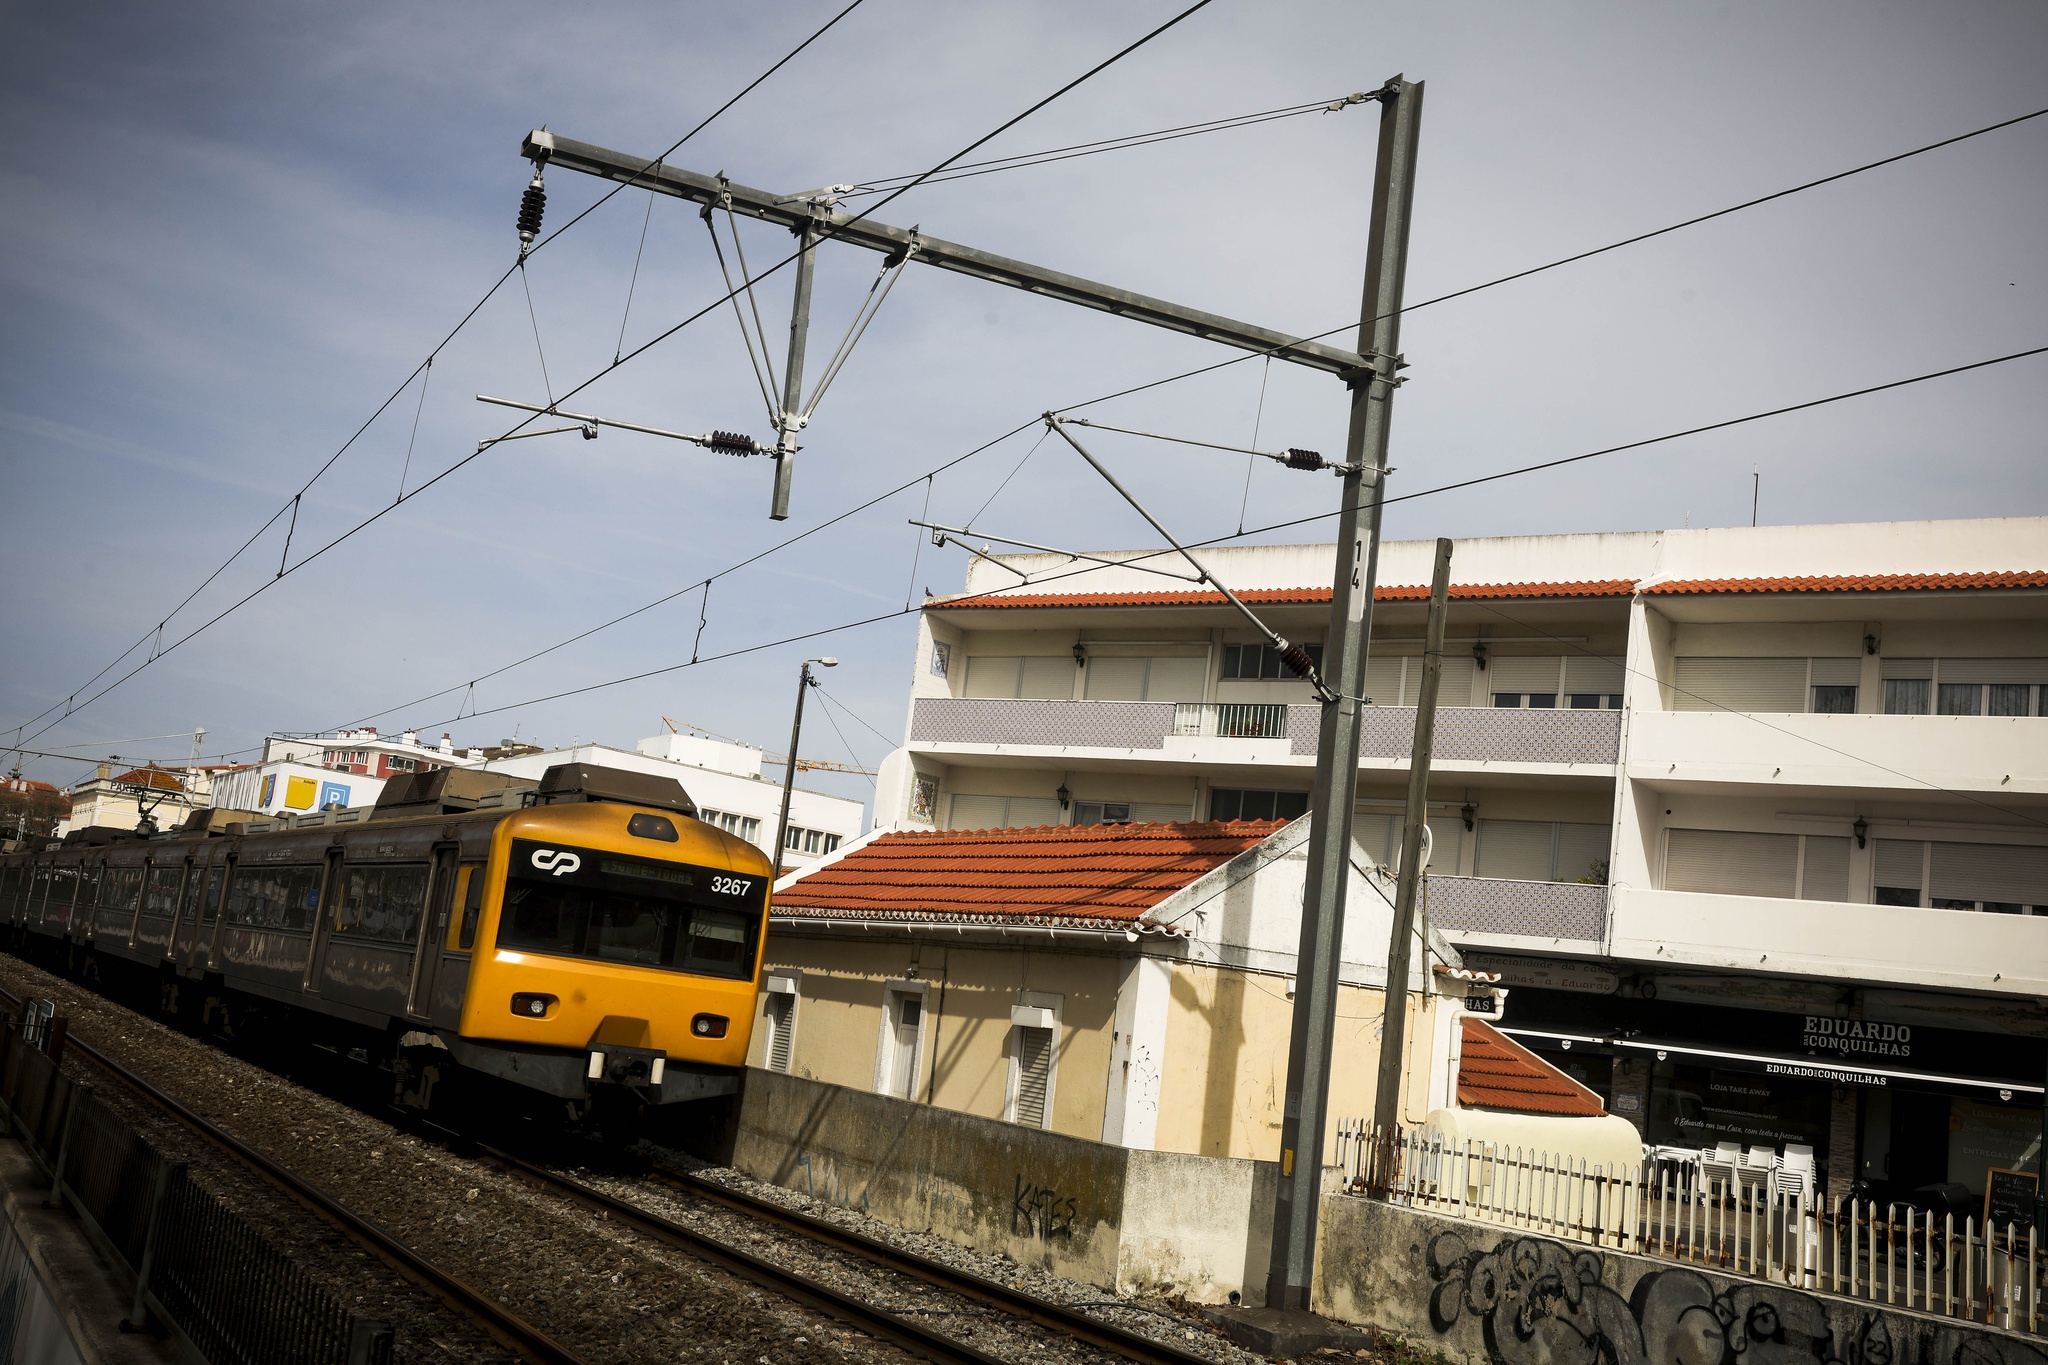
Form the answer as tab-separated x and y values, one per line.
1128	983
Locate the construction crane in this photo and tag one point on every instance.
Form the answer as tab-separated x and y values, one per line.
803	765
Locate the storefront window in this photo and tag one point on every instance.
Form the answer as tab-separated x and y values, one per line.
1695	1106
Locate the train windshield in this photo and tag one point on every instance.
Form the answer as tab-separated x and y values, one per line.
635	912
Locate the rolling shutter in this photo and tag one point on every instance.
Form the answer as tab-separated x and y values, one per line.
1907	668
1994	670
1519	849
1046	677
1579	847
1837	672
1899	862
992	675
1116	679
1028	812
1383	679
1034	1069
1177	679
1454	688
1732	862
977	812
781	1015
1775	686
2014	874
1584	673
1825	876
1522	673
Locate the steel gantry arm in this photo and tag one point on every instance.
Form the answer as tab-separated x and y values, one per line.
804	212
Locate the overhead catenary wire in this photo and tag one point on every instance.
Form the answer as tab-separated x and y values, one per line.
826	235
438	347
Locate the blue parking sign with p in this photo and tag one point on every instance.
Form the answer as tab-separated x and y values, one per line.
333	794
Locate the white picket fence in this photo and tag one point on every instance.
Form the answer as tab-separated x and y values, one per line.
1731	1222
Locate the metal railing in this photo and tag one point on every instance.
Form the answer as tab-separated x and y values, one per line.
1230	719
217	1282
1739	1221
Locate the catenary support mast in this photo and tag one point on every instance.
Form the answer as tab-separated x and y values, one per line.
1305	1115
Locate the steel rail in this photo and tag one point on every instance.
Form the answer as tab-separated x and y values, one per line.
506	1327
1055	1317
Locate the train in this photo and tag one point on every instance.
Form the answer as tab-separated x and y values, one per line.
585	939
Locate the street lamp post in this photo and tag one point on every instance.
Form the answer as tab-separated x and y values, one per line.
804	681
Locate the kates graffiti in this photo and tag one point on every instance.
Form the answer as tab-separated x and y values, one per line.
1541	1302
1040	1211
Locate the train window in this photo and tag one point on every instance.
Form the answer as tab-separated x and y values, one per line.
382	903
275	897
472	904
160	896
635	912
209	908
119	888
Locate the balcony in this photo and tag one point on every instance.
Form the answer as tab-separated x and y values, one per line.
1469	738
1893	944
1490	909
2003	754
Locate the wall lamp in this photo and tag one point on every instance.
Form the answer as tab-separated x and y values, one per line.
1080	655
1468	810
1870	644
1862	828
1479	658
1064	795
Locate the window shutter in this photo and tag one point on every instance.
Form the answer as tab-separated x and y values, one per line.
1898	862
1826	875
1160	812
1994	671
1116	679
781	1015
2012	873
1454	688
1732	862
1028	812
1034	1069
1774	686
1837	672
992	675
1177	679
1907	668
1578	848
1584	673
1373	831
1445	837
1047	677
1383	679
1523	673
1516	848
977	812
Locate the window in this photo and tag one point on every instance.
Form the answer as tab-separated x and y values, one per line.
812	841
275	897
1262	661
382	904
1102	812
745	826
120	887
1002	812
402	765
638	912
209	907
2009	879
1034	1057
1037	677
160	896
1230	803
778	1017
472	905
1906	696
1115	678
1527	701
1380	834
1812	867
901	1042
1541	851
1834	699
1959	699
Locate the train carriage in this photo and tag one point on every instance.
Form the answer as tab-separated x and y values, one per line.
585	937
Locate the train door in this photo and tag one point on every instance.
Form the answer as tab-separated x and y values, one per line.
426	958
451	984
323	919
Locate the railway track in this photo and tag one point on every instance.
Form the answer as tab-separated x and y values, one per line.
528	1342
1054	1317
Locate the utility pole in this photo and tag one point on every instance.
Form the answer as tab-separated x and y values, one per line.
1386	1109
1305	1114
804	682
791	421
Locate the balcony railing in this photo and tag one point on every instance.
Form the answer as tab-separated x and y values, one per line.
1530	909
1230	720
1463	734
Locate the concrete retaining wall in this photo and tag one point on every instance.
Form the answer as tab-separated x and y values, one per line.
1106	1215
1485	1295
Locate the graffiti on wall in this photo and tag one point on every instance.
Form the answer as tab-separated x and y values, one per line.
1543	1302
1040	1211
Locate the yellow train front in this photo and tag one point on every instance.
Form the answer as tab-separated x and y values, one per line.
584	940
615	945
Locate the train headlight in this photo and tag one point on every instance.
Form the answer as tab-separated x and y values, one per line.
532	1004
709	1025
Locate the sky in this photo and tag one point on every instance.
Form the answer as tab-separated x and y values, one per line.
232	231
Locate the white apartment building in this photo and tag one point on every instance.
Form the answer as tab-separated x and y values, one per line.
1754	821
726	782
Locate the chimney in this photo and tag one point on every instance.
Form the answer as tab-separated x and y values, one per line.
447	743
409	737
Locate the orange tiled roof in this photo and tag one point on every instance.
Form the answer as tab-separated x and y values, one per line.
1082	876
1496	1072
1891	582
1400	592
